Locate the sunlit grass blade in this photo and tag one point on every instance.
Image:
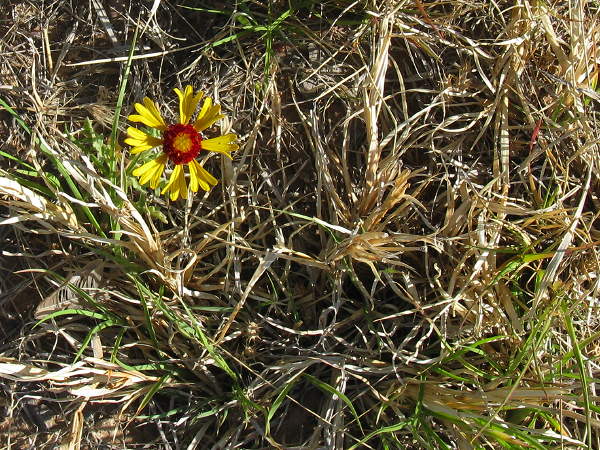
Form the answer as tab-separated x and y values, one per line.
331	390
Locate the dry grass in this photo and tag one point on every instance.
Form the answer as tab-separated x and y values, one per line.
402	254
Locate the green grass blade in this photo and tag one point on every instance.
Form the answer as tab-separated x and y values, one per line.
383	430
331	390
70	312
585	383
72	186
97	329
14	158
119	106
151	392
278	401
18	118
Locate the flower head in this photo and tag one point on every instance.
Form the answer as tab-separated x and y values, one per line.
181	143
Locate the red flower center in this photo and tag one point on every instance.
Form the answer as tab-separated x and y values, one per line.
181	143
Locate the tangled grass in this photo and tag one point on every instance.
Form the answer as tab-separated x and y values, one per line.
402	254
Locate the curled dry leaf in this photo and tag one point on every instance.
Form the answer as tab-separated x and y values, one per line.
33	206
90	378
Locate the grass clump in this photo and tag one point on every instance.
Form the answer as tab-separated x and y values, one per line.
401	254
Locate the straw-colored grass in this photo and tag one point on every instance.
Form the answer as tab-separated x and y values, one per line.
402	253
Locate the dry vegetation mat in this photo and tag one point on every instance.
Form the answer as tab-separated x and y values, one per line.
400	252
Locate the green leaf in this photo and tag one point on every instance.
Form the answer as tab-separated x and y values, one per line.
153	390
14	158
278	401
331	390
583	371
383	430
97	329
15	115
72	312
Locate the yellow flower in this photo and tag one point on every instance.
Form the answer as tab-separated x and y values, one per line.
181	143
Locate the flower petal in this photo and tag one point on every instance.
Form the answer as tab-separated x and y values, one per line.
222	144
203	179
135	133
135	149
149	115
208	115
187	103
176	186
154	142
141	141
159	171
193	176
172	179
151	171
183	193
151	106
